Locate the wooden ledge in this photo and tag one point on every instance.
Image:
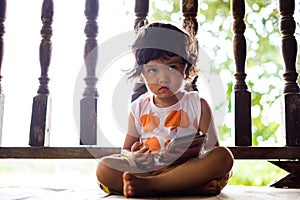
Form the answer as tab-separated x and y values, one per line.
57	152
98	152
286	152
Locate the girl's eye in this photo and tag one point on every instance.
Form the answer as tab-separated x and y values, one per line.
151	70
172	67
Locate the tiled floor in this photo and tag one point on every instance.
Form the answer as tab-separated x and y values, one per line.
229	193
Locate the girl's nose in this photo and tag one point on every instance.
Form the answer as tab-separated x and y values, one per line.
163	78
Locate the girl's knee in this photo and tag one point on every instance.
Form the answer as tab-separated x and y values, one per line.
226	156
111	164
101	169
109	178
105	166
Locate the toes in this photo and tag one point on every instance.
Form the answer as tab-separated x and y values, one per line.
127	187
126	176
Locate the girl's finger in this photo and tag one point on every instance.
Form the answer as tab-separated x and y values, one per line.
144	149
136	146
142	154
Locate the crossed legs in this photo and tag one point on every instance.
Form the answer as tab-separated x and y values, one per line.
194	177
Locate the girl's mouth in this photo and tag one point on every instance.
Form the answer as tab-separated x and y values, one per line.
163	89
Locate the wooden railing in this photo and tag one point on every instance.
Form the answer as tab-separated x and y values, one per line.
289	154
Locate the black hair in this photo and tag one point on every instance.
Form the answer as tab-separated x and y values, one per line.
158	41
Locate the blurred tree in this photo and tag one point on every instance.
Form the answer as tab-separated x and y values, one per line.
264	65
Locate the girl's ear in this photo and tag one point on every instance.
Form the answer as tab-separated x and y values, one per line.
185	72
142	78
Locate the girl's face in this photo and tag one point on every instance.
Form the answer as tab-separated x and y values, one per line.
164	77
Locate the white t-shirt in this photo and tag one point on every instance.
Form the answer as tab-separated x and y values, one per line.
157	126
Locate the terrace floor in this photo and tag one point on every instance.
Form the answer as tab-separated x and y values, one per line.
229	193
75	179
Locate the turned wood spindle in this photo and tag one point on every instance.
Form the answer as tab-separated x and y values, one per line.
190	11
88	104
2	31
141	10
41	107
291	88
242	95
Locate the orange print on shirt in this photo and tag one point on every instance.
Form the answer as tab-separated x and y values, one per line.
177	118
153	144
167	142
149	121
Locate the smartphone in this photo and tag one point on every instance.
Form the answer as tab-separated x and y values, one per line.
184	142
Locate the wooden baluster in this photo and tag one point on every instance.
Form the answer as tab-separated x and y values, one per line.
88	104
291	88
2	31
41	107
141	10
190	24
291	93
190	11
242	95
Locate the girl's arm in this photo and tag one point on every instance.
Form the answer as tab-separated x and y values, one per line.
139	152
207	122
131	136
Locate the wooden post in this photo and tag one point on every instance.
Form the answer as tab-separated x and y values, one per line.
141	10
242	95
41	107
2	31
291	88
190	11
190	24
292	180
88	104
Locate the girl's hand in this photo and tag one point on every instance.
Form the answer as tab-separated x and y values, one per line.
170	157
136	146
191	152
142	156
181	155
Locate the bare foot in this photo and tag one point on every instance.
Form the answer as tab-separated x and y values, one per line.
213	187
136	185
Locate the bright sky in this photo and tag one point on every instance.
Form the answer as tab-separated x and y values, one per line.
21	68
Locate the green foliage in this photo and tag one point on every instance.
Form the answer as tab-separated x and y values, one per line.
255	173
264	67
163	10
220	8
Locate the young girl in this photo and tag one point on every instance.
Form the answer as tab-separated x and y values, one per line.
166	63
